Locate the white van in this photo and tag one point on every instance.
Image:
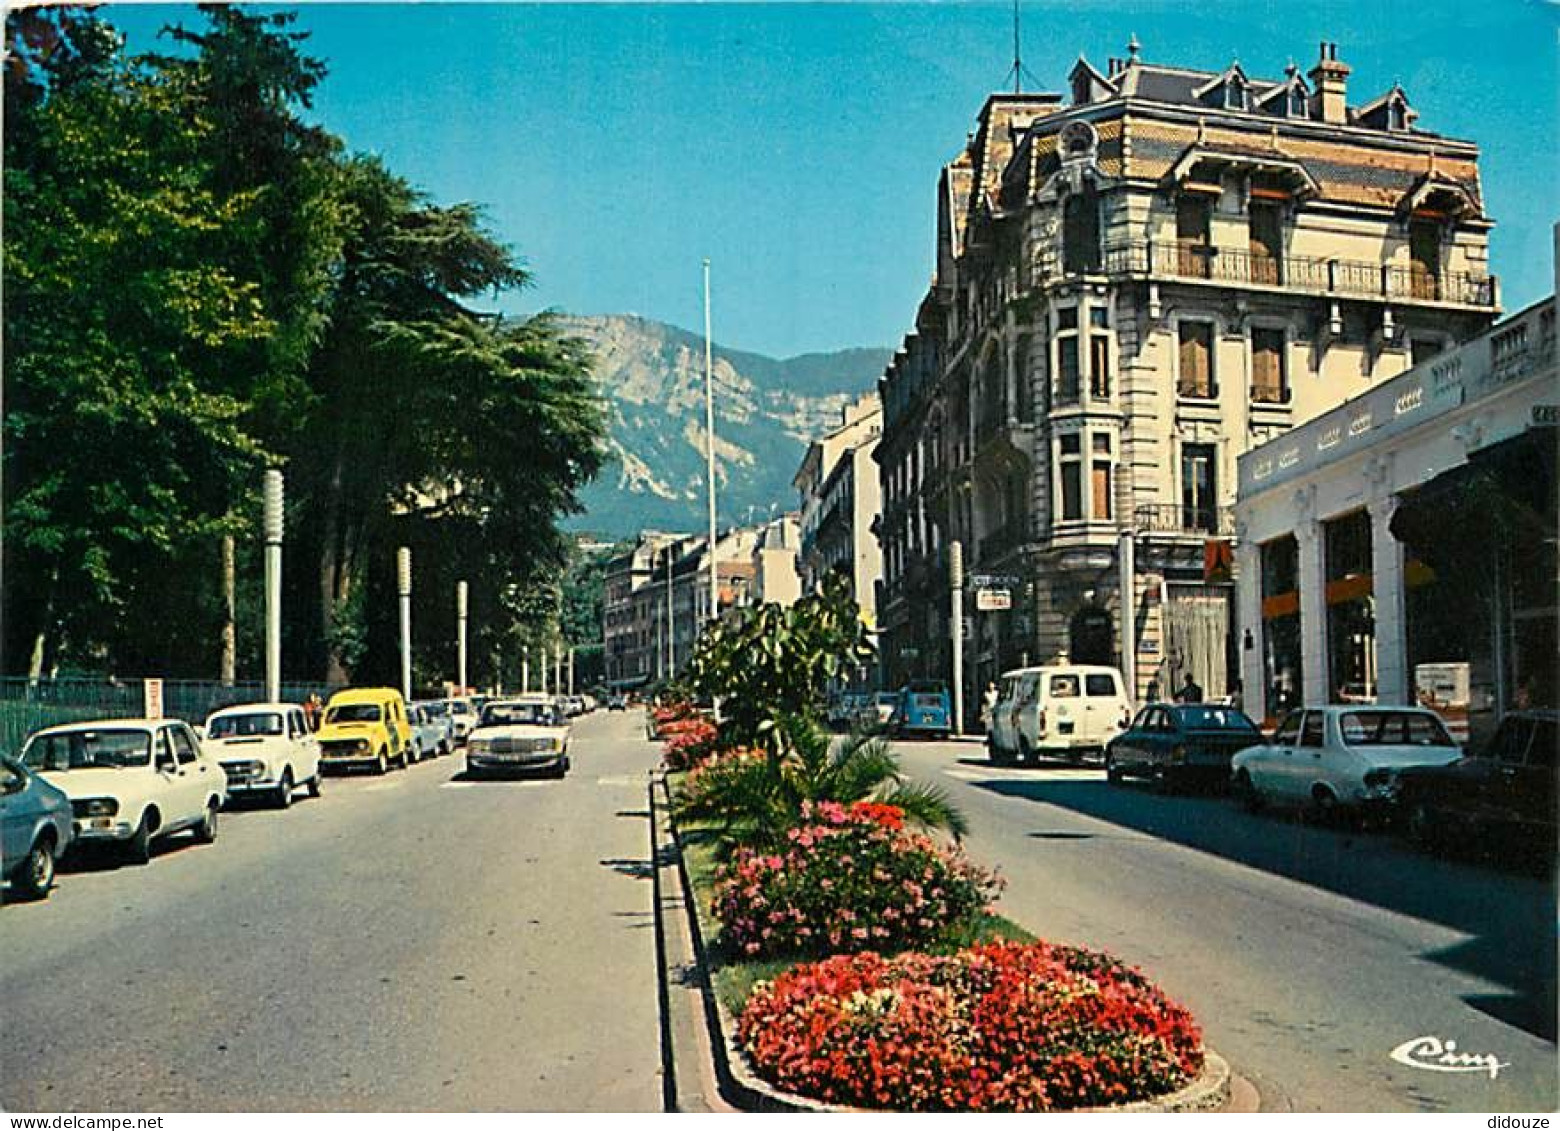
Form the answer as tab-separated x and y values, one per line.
1059	711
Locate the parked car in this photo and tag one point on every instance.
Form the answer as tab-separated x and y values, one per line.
463	716
1061	710
436	714
1505	789
265	749
879	710
36	829
524	733
617	703
923	708
428	732
365	727
1178	743
131	782
846	709
1345	757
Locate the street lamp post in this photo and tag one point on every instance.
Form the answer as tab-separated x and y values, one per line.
460	633
956	616
525	670
403	575
273	498
709	446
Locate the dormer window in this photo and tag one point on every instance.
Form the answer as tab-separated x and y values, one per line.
1296	99
1397	117
1234	96
1080	89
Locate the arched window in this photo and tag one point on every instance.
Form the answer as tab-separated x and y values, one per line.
1081	232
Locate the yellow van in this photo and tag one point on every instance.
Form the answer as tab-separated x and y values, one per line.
365	726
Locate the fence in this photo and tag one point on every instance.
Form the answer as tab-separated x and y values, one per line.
27	705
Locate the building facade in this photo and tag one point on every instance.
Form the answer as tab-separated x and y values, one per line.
631	616
841	498
1402	547
1134	286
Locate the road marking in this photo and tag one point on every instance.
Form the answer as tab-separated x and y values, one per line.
621	779
966	775
382	787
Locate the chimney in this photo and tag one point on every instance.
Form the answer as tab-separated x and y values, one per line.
1329	84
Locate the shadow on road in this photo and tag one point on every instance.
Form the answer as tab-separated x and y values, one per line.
1510	918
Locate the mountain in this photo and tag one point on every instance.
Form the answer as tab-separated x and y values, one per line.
767	411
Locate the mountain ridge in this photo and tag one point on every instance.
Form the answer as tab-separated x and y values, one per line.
767	411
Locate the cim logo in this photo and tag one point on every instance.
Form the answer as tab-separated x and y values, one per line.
1435	1055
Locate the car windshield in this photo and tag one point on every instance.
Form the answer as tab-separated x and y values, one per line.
888	699
1205	717
459	708
353	713
1393	728
518	714
244	726
436	710
928	700
87	749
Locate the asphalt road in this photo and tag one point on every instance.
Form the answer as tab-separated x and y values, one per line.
413	942
1307	953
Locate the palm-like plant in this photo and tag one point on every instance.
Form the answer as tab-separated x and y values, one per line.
753	800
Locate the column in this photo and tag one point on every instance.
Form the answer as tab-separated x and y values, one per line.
1386	553
1248	627
1313	615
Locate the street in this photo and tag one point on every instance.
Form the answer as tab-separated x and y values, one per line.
412	942
1307	953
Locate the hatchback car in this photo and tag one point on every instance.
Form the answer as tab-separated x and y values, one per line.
1176	743
131	781
266	749
923	710
36	828
1341	757
1506	788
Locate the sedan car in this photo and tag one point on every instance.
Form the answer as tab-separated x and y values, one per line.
1175	743
1341	758
266	750
528	732
35	829
1506	788
432	734
131	781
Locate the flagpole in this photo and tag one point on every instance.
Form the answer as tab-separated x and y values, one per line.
709	443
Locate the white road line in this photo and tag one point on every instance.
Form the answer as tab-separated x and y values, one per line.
621	779
491	785
382	787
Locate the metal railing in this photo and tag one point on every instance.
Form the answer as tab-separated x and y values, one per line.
29	705
1241	266
1174	518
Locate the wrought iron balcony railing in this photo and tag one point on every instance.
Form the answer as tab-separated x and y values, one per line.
1175	518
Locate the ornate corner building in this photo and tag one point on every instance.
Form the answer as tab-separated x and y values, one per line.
1133	286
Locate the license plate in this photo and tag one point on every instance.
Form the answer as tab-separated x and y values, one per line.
102	823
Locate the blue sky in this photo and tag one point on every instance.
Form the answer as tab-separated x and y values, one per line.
798	145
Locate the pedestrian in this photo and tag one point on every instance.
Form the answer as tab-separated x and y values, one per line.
989	699
1151	694
311	711
1237	700
1190	692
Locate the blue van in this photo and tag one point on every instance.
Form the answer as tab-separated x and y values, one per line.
924	709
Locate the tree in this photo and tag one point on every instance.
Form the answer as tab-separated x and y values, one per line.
775	662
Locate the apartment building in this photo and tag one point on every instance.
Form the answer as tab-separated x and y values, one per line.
1134	285
841	497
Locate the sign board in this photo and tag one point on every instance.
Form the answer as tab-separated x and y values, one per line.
1546	414
993	600
152	696
995	581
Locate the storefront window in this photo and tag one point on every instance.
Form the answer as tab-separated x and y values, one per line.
1351	610
1281	652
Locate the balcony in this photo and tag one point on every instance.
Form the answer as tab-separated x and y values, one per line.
1340	278
1196	522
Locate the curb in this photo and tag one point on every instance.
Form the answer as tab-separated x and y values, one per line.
1217	1087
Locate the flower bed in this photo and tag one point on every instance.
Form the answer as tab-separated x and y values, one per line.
999	1027
850	879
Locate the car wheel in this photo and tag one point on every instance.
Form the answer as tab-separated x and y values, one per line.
36	876
315	782
997	755
1246	789
383	765
1113	773
1025	754
1324	806
138	849
206	831
284	791
402	762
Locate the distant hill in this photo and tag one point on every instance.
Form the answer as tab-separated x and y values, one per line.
767	410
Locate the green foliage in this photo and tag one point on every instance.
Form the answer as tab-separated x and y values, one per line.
752	800
774	662
200	283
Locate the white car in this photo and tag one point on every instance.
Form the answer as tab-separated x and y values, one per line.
1340	757
131	781
463	716
266	750
528	732
1062	710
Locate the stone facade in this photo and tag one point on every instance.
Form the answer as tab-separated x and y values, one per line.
841	497
1133	288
